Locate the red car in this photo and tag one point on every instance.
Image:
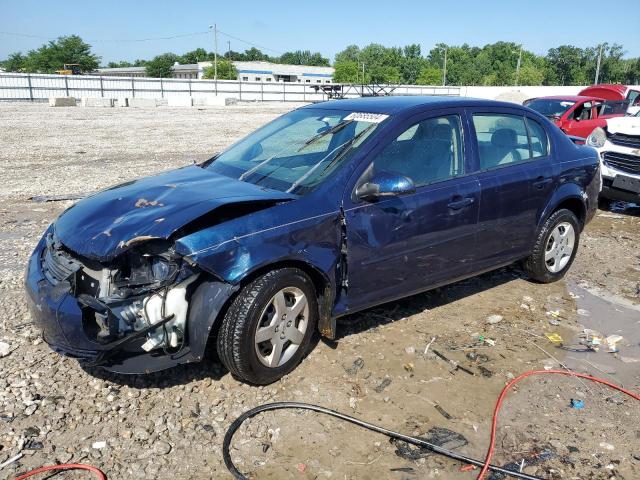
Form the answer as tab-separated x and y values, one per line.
578	115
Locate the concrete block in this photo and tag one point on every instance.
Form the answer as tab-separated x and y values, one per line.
179	101
122	101
96	102
62	101
214	101
142	102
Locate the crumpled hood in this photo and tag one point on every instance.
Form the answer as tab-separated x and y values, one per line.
105	224
624	125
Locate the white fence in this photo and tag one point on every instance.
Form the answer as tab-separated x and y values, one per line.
22	86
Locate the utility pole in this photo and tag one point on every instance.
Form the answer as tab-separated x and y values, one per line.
214	27
598	64
229	49
444	70
518	65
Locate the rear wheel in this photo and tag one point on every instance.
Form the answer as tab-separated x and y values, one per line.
268	328
555	248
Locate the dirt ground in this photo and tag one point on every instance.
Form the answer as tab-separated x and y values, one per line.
170	425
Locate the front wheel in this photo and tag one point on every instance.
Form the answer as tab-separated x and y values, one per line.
555	248
267	330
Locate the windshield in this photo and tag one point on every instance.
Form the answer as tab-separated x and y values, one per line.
550	107
297	151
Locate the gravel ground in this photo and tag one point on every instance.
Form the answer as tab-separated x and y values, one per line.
170	425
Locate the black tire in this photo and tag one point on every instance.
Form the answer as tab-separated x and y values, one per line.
235	341
534	265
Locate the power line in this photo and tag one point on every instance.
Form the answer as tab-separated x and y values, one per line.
250	43
123	40
150	39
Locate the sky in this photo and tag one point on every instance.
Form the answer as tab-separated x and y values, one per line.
114	28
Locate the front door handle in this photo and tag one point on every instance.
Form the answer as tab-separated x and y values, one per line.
542	182
461	203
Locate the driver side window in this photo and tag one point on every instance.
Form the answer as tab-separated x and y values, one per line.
426	152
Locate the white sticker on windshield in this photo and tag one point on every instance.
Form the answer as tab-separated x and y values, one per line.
566	104
366	117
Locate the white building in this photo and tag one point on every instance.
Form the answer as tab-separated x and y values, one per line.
247	72
277	72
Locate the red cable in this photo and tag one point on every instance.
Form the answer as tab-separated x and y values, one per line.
64	466
503	394
494	424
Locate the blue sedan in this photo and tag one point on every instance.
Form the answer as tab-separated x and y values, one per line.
327	210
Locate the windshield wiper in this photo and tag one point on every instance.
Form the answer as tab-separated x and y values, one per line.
339	126
342	150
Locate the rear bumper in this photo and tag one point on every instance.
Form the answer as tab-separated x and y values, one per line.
60	318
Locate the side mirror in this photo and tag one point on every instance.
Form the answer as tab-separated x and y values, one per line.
385	184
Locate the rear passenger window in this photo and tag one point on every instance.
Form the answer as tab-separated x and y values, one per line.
502	140
538	139
427	152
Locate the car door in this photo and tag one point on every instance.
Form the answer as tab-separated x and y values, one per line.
400	245
582	121
517	178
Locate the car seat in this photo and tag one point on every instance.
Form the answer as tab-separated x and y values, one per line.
504	148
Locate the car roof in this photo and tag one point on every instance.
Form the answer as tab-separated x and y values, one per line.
394	104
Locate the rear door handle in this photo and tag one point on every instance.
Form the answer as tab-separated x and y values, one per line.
458	204
542	182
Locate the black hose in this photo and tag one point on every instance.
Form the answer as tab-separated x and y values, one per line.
226	444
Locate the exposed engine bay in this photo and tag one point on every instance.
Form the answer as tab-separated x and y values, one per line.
142	295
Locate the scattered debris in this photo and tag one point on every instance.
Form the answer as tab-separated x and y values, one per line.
5	349
612	343
577	404
357	364
408	367
518	466
493	319
554	337
384	384
442	437
607	446
456	365
426	349
11	460
99	445
442	412
302	467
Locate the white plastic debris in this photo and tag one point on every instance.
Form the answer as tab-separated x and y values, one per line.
607	446
99	445
5	349
493	319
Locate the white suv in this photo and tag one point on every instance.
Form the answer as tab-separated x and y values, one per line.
619	147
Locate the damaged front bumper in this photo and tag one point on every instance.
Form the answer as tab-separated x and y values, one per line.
63	318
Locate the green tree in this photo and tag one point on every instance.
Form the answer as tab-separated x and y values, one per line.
254	54
121	64
430	76
303	57
226	71
347	72
15	62
195	56
162	65
53	55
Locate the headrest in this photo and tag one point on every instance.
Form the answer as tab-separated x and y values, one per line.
442	131
505	138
